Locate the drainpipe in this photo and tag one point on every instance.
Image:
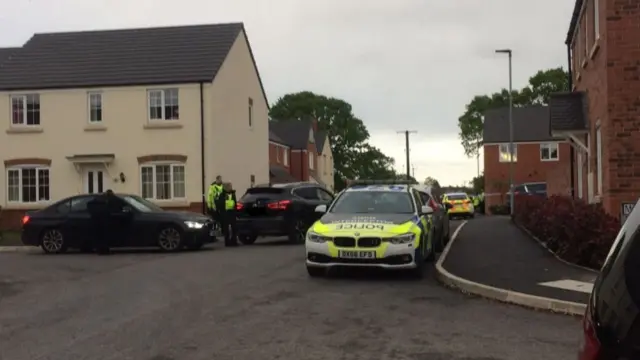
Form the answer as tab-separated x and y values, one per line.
202	162
572	151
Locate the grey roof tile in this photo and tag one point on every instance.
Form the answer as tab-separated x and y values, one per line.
530	123
162	55
6	53
568	111
275	138
279	174
294	133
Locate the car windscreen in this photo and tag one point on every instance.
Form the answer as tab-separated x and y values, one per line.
266	193
372	202
141	204
457	197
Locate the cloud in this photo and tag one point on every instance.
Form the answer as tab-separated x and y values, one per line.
402	64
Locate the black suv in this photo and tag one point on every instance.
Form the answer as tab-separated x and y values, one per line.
611	324
280	210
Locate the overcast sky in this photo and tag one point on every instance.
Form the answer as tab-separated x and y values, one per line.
402	64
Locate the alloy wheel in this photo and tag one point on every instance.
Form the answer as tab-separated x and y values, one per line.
170	239
53	241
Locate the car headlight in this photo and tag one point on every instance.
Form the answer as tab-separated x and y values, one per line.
194	224
317	238
402	239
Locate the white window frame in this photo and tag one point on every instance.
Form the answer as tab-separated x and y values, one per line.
285	157
163	103
550	146
503	149
311	162
24	98
90	96
596	19
154	166
278	149
599	159
312	138
19	169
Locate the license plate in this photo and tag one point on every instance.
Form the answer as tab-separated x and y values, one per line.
350	254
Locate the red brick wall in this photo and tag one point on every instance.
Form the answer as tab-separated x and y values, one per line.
621	130
527	168
298	164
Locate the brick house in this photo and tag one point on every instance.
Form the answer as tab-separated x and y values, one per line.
538	156
298	151
601	115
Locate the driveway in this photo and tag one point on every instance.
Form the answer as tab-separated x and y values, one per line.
253	302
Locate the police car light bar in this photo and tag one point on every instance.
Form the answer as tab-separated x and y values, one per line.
351	183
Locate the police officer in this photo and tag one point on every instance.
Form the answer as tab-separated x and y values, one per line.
100	210
226	206
215	189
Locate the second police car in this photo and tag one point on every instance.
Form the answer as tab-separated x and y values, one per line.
372	224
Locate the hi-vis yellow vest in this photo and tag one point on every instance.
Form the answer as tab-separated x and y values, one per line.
229	204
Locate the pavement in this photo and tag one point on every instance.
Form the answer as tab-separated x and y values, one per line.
493	252
253	302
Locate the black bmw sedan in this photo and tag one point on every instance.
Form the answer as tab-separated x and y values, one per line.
136	222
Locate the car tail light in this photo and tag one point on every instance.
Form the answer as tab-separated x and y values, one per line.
25	219
239	206
279	205
590	347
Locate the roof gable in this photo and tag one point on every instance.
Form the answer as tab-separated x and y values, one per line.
162	55
530	123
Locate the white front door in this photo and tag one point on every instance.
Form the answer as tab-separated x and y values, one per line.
95	180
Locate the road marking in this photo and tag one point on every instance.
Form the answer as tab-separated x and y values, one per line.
573	285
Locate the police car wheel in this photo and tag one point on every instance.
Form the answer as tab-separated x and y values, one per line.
315	271
247	239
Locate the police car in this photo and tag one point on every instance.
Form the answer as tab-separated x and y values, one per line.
372	224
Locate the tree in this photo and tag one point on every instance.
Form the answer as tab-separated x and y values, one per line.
537	92
353	157
429	181
477	183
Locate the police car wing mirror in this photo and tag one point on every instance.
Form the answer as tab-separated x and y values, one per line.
321	209
427	210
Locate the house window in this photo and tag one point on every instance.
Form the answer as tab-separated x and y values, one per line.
504	153
278	150
549	152
163	181
252	180
95	107
312	139
164	104
250	112
285	157
599	159
25	110
311	164
28	184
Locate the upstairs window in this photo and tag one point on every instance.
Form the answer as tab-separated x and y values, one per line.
285	157
164	104
311	164
250	112
504	155
549	152
25	110
95	108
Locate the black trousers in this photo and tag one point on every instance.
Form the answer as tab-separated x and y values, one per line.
229	227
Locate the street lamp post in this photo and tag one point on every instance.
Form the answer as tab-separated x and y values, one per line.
511	192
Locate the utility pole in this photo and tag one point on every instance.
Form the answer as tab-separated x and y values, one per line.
407	147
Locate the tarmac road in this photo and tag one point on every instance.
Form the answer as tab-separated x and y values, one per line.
253	302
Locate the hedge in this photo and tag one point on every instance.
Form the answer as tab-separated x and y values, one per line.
578	232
